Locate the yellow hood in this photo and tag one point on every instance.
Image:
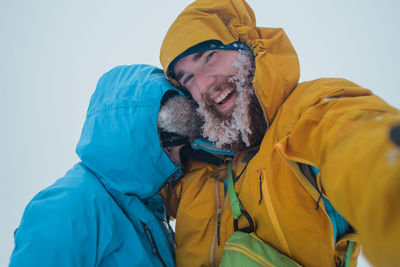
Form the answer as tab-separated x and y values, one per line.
277	66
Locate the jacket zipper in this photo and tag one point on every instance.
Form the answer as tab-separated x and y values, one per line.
303	180
216	239
313	191
291	163
219	227
153	243
274	218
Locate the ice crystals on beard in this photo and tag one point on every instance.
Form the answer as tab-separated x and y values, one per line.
228	131
241	114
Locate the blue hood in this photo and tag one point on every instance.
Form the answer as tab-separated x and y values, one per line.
119	141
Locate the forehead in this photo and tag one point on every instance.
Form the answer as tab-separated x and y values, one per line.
185	63
190	62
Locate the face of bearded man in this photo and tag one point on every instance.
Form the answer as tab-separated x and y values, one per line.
242	125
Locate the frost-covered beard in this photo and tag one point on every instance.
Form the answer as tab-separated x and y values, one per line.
243	127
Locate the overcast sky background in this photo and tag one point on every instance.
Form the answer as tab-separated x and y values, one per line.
53	52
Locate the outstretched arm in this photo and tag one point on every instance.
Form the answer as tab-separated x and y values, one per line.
348	138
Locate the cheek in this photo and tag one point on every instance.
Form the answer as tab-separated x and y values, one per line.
230	63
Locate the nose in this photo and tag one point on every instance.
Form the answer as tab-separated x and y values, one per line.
204	82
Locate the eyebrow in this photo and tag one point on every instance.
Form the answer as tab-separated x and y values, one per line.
196	57
179	75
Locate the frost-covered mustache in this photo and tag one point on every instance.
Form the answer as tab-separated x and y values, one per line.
226	129
224	89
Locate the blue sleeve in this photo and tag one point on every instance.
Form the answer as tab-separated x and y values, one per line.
55	231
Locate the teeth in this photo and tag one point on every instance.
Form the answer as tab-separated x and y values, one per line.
223	95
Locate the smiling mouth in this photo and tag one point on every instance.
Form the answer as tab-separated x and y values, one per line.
224	96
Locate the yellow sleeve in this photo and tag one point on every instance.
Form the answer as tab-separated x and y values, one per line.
348	135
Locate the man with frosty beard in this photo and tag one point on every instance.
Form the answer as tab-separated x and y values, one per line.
328	146
232	115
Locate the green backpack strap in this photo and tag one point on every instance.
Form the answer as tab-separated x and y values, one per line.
236	206
235	203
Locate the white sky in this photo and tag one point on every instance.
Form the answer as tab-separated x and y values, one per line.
53	52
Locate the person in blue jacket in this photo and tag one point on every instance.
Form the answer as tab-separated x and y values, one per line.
106	210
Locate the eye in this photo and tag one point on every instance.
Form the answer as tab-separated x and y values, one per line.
209	56
187	79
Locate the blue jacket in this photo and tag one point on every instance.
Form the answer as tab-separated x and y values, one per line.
105	211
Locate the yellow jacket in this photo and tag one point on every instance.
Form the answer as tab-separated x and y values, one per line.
332	124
